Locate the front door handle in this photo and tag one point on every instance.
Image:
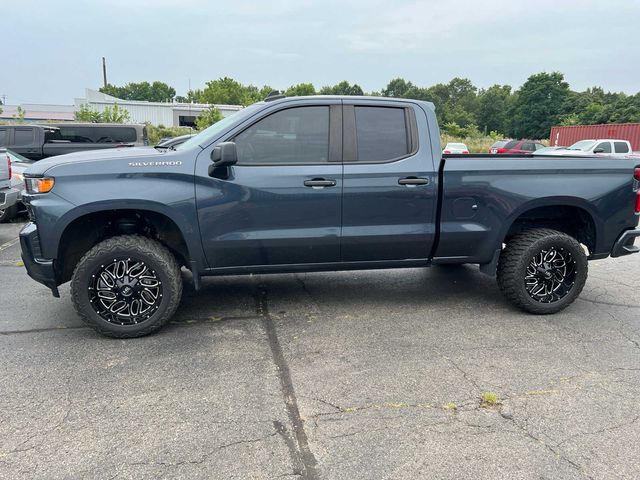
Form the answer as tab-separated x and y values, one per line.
320	183
413	181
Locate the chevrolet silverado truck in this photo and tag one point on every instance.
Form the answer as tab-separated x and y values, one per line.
317	183
42	141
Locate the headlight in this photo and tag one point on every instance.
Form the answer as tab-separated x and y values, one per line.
38	185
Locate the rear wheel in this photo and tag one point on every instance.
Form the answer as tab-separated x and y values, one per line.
542	270
126	286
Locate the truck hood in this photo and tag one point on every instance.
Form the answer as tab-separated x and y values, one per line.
40	167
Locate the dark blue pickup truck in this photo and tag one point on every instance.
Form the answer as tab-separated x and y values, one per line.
317	183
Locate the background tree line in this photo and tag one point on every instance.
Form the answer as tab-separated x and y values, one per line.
463	109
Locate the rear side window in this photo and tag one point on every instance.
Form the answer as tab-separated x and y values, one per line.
381	133
605	146
621	147
511	144
78	134
528	147
23	136
4	137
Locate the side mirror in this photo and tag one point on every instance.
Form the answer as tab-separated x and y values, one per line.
598	150
224	155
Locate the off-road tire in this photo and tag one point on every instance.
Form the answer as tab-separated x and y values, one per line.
155	255
517	256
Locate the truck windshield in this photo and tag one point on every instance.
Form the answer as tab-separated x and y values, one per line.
209	133
583	145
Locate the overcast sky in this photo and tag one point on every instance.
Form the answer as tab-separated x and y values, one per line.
52	50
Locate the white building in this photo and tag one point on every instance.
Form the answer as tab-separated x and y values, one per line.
156	113
167	114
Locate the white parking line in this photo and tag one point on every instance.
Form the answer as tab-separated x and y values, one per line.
10	243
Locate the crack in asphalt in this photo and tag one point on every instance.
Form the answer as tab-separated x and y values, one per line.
613	304
599	431
304	461
204	457
555	450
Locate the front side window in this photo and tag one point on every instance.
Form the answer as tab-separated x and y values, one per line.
297	135
621	147
381	133
604	146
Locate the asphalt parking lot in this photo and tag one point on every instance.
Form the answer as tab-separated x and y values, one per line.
372	375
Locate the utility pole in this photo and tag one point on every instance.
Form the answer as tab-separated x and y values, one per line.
104	71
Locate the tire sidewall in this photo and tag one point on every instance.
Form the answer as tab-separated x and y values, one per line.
581	265
82	281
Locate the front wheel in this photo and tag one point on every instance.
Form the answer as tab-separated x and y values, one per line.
542	270
126	286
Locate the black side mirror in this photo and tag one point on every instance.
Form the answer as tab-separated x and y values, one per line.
224	155
599	150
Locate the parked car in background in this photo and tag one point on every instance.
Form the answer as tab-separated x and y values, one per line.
608	147
8	194
18	165
455	148
546	150
570	134
173	142
520	146
42	141
498	144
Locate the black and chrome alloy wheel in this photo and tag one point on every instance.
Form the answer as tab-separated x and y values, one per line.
125	291
550	275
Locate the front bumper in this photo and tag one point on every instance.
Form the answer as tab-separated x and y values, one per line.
624	245
40	269
8	197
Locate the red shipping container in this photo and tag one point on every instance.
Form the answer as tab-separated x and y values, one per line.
565	136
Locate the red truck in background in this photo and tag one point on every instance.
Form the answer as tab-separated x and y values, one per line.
565	136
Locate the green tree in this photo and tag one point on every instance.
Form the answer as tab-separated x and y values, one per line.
87	114
19	115
300	90
398	87
115	114
493	105
227	91
208	117
143	91
111	114
342	88
539	104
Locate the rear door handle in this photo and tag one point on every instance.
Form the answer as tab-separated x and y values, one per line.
320	182
413	181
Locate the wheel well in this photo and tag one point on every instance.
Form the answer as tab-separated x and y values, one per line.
571	220
87	231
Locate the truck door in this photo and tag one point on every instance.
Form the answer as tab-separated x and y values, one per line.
281	203
26	141
390	186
